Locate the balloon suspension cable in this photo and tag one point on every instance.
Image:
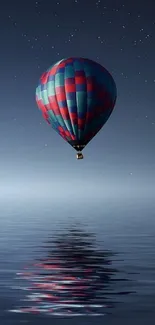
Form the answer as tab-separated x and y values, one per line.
79	148
79	155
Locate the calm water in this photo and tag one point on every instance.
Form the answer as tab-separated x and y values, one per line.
127	229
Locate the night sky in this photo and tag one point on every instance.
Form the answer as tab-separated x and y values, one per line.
35	160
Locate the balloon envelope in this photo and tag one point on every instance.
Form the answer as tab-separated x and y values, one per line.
76	96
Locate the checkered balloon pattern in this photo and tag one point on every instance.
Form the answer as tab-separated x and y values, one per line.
76	97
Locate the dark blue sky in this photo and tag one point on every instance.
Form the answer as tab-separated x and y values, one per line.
121	158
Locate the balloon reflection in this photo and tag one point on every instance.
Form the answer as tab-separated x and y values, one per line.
74	279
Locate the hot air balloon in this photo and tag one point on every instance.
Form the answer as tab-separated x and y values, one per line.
76	97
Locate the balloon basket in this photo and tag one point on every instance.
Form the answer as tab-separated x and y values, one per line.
79	155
